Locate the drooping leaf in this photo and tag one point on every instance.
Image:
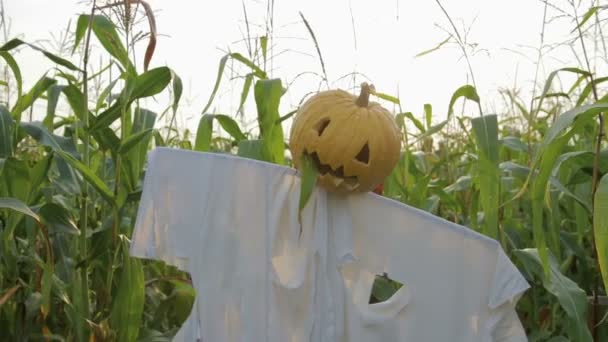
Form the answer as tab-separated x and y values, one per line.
552	75
230	126
147	84
58	219
18	42
106	33
588	89
76	101
256	69
177	90
19	206
28	99
416	122
387	97
81	28
89	176
467	91
245	91
432	130
236	56
216	86
203	134
37	131
133	140
570	296
151	83
52	99
10	61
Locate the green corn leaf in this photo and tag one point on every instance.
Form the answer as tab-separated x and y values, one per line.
485	129
387	97
216	86
28	99
37	131
177	90
256	69
58	219
236	56
147	84
151	83
128	303
309	175
467	91
552	75
10	61
570	296
252	149
592	11
588	89
245	92
600	226
106	33
89	175
203	133
7	128
19	206
267	96
52	99
230	126
18	42
133	140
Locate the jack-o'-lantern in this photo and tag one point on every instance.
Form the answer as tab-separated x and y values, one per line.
353	143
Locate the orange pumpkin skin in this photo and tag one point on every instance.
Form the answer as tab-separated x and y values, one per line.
354	143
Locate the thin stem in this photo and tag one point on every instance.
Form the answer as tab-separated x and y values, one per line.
85	189
595	178
464	51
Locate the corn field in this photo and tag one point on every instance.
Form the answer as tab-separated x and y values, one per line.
535	178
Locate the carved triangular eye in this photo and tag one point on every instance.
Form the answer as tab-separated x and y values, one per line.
321	126
363	155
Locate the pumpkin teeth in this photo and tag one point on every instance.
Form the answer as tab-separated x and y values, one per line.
337	181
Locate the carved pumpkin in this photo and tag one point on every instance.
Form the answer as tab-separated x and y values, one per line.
354	143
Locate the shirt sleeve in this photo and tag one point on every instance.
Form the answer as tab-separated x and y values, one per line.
151	238
508	286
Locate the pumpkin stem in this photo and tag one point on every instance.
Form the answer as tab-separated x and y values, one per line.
366	90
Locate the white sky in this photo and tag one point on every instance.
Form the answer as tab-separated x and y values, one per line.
388	35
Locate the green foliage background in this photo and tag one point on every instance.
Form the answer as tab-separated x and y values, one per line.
534	179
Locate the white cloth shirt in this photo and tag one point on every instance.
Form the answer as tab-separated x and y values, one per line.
232	224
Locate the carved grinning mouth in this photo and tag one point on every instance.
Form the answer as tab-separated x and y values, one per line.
352	182
338	174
